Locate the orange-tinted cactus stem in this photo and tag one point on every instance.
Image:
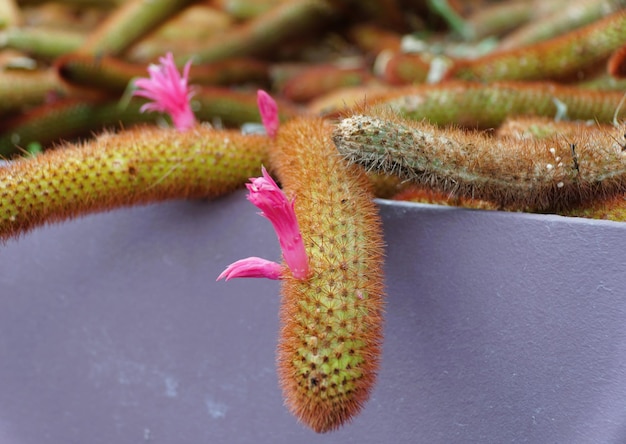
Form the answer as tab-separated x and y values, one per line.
331	333
318	80
617	63
373	39
402	68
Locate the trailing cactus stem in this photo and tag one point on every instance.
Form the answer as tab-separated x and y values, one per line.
128	23
551	173
480	105
134	167
329	349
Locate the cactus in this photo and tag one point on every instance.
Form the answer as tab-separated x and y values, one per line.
543	174
331	333
129	168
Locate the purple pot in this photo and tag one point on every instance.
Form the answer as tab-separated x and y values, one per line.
500	328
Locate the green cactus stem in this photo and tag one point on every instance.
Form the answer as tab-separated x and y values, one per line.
132	167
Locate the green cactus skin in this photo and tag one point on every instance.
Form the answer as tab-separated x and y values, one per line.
329	349
47	43
74	117
567	16
128	23
478	105
552	59
134	167
65	119
267	30
551	173
19	90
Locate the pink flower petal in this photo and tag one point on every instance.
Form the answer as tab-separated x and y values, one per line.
266	195
168	92
269	112
274	205
255	267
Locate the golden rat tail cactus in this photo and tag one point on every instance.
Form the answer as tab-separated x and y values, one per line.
552	173
138	166
132	167
331	334
332	303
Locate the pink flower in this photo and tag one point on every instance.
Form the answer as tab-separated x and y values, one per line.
269	112
252	267
168	92
266	195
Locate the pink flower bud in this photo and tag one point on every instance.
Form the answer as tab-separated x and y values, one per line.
269	112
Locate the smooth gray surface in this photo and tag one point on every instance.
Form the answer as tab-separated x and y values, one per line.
500	328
